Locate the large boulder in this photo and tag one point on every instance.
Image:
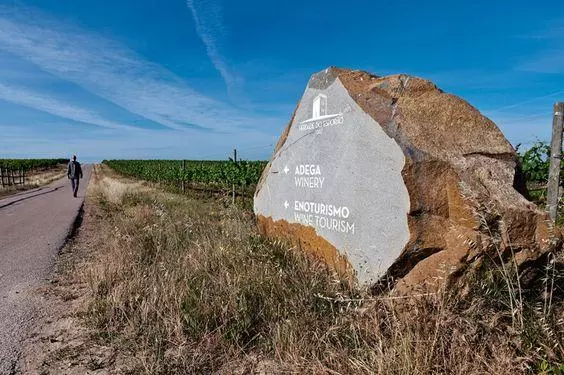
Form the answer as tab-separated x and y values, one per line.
391	177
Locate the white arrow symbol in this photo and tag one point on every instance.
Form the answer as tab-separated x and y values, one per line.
286	169
286	204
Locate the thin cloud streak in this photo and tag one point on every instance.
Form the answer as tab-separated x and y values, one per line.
550	58
207	24
21	96
550	61
117	74
518	104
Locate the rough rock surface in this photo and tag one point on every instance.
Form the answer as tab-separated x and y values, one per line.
460	195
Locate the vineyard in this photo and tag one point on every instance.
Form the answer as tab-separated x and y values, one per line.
15	173
225	174
215	174
30	164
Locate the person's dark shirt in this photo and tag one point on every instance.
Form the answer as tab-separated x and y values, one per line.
74	170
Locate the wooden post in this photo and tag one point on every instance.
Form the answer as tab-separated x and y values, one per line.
233	184
2	175
555	158
183	174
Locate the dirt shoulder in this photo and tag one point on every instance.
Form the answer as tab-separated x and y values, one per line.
63	343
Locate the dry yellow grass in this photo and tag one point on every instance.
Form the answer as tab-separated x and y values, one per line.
187	286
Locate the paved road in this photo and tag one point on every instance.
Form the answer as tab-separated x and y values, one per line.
34	225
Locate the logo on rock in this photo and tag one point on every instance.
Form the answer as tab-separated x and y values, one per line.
319	117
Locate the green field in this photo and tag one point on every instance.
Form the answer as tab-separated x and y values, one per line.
220	174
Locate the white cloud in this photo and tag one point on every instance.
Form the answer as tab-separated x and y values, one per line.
114	72
21	96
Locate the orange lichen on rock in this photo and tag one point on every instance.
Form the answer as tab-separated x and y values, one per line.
307	239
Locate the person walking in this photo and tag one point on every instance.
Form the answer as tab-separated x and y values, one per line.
74	173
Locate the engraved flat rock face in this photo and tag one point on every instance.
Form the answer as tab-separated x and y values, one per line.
339	173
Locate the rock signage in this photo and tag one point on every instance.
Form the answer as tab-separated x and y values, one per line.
385	176
324	177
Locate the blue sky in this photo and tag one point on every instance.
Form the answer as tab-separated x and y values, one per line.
194	79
